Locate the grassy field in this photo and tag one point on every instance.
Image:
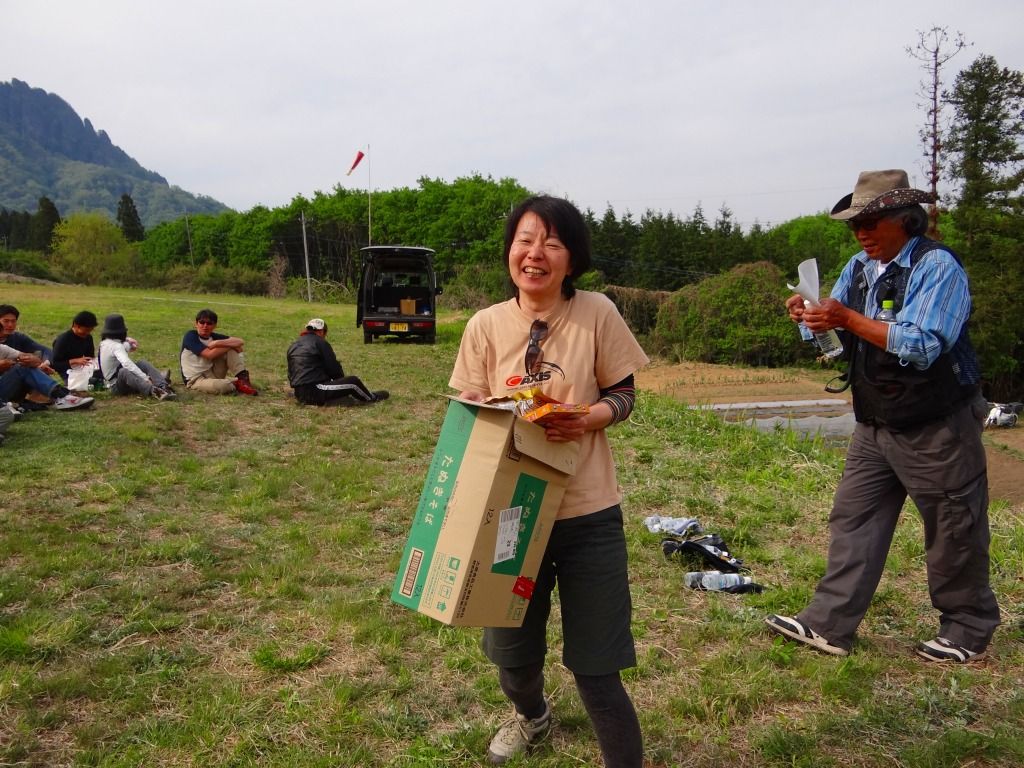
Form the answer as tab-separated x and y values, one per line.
206	582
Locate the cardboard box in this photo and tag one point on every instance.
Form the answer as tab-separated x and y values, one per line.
484	517
408	306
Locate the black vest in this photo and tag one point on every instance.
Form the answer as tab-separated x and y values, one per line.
887	393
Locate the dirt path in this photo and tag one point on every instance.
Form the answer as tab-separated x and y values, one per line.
709	384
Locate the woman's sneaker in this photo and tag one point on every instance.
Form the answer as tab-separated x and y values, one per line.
519	734
71	402
796	630
943	651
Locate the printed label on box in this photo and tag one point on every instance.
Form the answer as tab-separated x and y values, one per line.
527	498
508	534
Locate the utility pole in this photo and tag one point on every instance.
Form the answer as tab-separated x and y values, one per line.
305	250
369	199
188	234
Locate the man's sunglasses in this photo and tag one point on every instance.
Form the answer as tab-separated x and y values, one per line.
534	354
205	322
868	224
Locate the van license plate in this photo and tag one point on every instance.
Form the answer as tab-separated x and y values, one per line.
399	327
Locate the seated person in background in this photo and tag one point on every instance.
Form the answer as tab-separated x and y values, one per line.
316	375
122	375
12	337
212	362
23	372
75	348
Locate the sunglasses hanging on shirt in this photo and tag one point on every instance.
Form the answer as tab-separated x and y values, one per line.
534	354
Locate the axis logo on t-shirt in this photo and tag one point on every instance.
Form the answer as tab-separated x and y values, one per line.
536	378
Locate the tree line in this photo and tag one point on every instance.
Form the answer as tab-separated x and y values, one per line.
21	230
699	261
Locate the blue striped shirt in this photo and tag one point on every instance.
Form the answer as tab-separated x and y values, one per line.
935	308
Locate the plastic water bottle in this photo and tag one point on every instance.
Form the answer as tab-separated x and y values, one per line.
714	581
886	314
828	341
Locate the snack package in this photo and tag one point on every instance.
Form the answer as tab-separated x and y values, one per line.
544	409
533	405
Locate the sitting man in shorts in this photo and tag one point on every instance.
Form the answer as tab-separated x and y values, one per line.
212	362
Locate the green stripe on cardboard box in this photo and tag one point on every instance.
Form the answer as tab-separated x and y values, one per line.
426	526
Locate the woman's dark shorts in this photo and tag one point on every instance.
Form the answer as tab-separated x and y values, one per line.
586	558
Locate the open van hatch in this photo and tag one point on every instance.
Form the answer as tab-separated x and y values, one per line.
398	293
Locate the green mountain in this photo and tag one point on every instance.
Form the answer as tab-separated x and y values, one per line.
46	149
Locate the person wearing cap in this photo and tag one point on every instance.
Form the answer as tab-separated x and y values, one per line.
75	348
919	414
316	375
212	362
122	375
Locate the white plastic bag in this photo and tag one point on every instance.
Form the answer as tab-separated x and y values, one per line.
79	376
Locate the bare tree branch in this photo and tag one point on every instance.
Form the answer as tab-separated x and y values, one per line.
934	48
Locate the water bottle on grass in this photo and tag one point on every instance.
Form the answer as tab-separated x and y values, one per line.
714	581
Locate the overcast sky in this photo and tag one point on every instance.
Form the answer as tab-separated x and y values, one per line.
770	108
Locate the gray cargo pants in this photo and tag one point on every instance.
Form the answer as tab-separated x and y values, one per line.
941	465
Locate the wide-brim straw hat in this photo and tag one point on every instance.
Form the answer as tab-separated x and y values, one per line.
879	191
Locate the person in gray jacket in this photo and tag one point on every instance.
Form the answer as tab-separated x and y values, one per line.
316	375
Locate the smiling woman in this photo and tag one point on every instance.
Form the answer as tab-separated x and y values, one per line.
575	347
538	262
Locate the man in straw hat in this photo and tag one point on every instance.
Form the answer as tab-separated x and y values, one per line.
316	375
919	413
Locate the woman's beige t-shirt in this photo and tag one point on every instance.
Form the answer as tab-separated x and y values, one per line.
588	346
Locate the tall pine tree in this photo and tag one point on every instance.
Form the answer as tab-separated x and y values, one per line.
128	220
45	219
984	144
987	160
